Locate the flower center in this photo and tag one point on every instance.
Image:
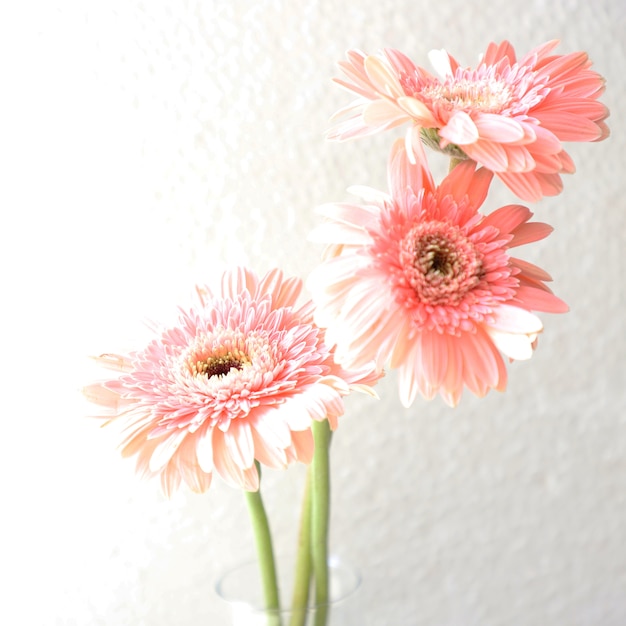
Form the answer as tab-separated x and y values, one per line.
487	94
217	365
440	263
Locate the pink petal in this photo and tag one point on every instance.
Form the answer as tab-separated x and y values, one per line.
488	153
452	387
460	129
527	233
271	427
402	345
497	52
402	64
284	291
524	185
186	463
237	281
583	107
547	163
515	346
408	383
440	60
170	481
465	180
498	128
304	445
530	269
550	184
519	158
351	129
383	113
513	319
204	449
560	66
540	300
404	173
165	450
434	353
569	126
268	455
540	52
239	443
546	142
382	77
418	111
604	131
507	218
481	367
230	472
196	480
101	395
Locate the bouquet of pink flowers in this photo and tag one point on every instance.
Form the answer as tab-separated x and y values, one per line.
416	278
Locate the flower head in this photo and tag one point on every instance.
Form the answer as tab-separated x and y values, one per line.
238	380
509	116
420	280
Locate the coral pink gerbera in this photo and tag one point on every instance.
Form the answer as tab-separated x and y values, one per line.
507	115
238	380
424	282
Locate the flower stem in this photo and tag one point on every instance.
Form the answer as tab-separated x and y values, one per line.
265	552
302	579
454	161
320	516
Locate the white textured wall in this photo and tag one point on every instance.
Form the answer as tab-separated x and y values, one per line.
147	145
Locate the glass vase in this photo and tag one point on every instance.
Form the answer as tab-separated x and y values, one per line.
241	589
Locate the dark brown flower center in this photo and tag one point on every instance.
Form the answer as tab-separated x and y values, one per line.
440	263
218	365
437	259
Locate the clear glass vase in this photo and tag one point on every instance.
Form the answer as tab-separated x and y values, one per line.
241	589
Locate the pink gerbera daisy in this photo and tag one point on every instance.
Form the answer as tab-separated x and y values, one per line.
507	115
420	280
238	380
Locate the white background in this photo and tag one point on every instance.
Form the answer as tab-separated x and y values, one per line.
149	145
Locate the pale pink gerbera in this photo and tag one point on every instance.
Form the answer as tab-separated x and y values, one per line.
422	281
239	379
507	115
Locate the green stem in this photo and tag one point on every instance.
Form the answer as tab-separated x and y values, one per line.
302	582
320	517
265	552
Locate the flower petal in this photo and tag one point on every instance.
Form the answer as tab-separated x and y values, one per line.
383	78
460	129
488	153
418	111
231	473
499	128
540	300
512	319
383	113
515	346
239	443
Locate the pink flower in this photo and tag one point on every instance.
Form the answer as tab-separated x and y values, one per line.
422	281
509	116
239	379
